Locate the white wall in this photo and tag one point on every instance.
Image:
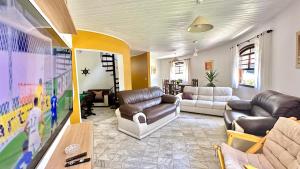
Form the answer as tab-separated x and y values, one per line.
155	77
98	77
222	64
285	76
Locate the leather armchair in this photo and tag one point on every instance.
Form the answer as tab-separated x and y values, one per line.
261	113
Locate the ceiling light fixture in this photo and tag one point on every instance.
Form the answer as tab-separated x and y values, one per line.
195	52
200	24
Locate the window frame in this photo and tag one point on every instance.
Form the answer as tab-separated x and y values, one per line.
180	68
250	47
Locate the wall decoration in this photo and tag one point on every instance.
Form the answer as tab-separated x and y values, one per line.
298	51
209	65
85	71
153	70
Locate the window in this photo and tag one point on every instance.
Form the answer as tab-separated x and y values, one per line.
178	68
247	66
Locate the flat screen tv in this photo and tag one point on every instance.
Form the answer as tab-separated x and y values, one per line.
36	97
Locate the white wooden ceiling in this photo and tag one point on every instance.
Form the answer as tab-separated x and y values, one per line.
160	26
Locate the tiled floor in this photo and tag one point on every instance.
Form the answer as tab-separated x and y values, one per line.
185	143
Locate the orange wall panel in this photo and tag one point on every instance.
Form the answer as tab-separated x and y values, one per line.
140	71
97	41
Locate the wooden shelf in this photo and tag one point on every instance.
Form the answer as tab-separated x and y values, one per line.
81	134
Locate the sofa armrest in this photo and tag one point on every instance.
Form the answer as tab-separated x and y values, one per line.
256	125
242	136
129	110
242	105
169	99
235	98
179	96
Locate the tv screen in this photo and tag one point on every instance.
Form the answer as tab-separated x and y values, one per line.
36	95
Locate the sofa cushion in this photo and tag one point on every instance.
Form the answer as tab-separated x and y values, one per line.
282	145
148	103
136	96
193	90
230	116
205	93
236	159
223	98
204	104
190	103
219	105
187	95
98	96
159	111
222	91
206	98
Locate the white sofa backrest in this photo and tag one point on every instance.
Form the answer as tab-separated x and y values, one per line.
205	93
193	90
222	94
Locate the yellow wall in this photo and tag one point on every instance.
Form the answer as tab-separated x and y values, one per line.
140	71
97	41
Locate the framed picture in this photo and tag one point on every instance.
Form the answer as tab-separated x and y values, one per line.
298	50
153	70
209	65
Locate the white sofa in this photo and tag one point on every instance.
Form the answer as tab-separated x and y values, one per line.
206	100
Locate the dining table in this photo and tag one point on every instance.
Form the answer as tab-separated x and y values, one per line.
175	88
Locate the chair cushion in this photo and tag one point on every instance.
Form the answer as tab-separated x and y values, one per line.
282	146
190	103
204	104
230	116
219	105
187	95
236	159
159	111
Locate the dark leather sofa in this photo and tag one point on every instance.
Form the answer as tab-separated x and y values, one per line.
145	110
261	113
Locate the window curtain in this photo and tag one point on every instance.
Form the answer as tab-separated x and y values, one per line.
186	70
263	60
235	69
172	71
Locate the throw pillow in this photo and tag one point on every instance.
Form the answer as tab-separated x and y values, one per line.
99	95
187	95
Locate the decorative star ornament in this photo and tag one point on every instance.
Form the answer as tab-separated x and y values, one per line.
85	71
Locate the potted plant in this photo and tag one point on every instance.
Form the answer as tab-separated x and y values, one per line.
211	77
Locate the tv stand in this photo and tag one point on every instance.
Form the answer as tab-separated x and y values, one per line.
81	134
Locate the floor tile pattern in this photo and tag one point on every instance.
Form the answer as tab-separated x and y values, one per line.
185	143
